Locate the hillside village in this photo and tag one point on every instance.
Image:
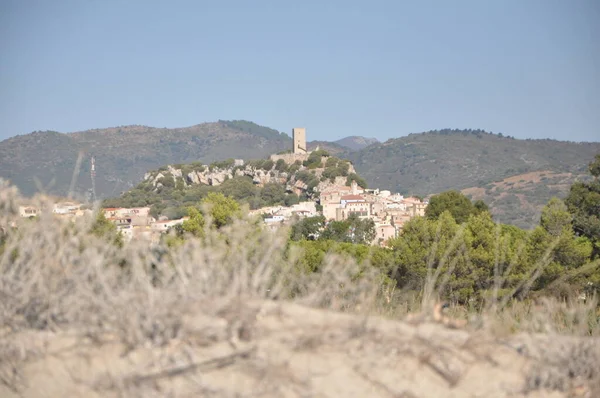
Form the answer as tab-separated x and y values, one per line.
388	211
336	198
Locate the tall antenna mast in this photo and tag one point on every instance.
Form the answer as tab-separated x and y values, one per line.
93	175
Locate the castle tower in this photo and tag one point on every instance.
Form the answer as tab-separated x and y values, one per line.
299	135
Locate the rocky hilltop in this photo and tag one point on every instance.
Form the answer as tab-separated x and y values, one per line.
170	189
319	172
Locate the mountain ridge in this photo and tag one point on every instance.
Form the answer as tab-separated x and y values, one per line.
419	163
355	142
439	160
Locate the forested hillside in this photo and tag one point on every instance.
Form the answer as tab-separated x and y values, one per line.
478	162
123	154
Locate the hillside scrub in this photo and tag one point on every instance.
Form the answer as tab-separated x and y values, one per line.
174	199
173	196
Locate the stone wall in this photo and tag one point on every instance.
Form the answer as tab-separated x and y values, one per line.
290	158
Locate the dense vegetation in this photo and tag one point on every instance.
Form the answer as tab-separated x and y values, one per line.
583	203
457	204
173	201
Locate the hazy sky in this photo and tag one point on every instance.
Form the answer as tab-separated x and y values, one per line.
528	68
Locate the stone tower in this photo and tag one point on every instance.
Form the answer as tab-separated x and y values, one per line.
299	135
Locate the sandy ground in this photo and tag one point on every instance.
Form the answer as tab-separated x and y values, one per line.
270	349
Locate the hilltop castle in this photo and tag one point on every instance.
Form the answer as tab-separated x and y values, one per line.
299	150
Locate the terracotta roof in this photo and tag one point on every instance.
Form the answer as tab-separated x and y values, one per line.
413	200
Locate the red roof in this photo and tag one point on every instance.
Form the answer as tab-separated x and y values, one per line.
412	200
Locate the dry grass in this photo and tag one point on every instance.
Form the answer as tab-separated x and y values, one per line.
226	316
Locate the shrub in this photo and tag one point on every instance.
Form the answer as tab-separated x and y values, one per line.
281	165
224	164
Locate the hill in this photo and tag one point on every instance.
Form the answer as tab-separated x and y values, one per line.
478	163
47	159
123	154
331	147
355	143
258	183
483	165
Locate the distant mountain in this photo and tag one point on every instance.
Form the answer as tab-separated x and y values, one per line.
123	154
331	147
356	143
484	165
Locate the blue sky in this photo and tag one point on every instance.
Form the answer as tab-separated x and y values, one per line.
528	68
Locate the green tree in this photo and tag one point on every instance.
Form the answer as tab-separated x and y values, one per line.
594	167
566	252
105	229
281	165
222	209
239	188
421	243
331	162
314	159
453	201
363	230
583	202
273	194
475	260
479	206
195	224
291	199
314	252
307	228
267	165
555	217
337	231
351	230
361	182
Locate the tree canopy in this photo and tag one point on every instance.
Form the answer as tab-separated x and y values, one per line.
222	209
583	202
480	257
456	203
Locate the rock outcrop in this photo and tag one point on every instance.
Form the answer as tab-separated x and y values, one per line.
196	174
